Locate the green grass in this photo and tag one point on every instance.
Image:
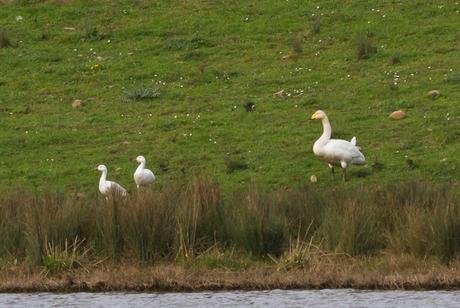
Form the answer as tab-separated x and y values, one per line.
207	59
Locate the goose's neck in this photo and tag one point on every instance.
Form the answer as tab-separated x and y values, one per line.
327	130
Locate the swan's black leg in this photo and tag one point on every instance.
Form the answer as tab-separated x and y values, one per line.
344	174
332	171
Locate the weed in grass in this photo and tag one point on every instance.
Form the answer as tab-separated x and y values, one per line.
235	165
452	78
249	106
316	25
4	41
364	47
70	256
187	44
395	59
93	34
141	94
296	44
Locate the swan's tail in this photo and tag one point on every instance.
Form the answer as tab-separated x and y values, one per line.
353	141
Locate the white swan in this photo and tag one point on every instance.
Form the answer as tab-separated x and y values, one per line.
336	152
143	176
108	188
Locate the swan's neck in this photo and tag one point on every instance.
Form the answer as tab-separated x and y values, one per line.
327	130
103	178
140	167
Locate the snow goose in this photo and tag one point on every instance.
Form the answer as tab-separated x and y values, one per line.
336	152
108	188
143	176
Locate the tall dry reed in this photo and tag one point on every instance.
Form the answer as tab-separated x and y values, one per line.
183	221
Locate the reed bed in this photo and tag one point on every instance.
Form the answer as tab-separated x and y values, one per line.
196	223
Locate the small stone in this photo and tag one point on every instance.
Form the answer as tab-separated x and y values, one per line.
286	57
433	94
77	103
279	93
313	179
398	115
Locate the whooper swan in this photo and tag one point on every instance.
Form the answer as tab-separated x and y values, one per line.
336	152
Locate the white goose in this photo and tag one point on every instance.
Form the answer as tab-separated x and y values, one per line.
336	152
108	188
143	176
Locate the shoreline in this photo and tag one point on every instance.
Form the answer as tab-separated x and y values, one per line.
176	278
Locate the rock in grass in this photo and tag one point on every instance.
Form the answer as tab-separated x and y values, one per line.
313	179
280	93
433	94
397	115
77	103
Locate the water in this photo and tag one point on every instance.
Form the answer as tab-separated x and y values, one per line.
275	298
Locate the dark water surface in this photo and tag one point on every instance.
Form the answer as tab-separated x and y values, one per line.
274	298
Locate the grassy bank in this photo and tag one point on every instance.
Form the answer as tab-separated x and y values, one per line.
170	80
195	226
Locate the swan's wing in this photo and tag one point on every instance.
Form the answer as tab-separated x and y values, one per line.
117	188
144	178
342	150
150	177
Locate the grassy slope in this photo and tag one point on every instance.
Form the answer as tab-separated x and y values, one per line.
209	57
